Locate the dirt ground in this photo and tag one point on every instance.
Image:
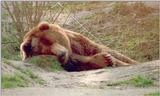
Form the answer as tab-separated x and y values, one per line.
85	83
76	92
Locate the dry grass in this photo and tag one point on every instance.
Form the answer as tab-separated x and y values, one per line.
85	6
138	9
133	24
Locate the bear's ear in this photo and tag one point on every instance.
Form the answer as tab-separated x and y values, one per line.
43	26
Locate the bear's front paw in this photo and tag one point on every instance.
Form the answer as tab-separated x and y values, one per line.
108	59
103	59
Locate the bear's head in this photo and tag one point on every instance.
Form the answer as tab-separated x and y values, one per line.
46	39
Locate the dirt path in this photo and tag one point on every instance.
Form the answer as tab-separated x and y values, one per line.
87	83
76	92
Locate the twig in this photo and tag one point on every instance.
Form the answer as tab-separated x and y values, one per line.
8	42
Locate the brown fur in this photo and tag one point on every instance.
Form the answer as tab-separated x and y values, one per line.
70	47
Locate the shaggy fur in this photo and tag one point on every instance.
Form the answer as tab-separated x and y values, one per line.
75	51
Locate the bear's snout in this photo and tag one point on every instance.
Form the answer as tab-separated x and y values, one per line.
62	56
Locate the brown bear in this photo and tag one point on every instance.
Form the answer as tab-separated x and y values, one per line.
73	50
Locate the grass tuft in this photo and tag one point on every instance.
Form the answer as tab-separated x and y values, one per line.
34	77
5	61
13	81
137	81
140	81
48	63
153	94
20	80
30	73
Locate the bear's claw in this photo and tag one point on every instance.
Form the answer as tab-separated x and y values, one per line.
108	59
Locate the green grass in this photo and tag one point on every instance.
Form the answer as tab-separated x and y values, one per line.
20	80
5	61
48	63
13	81
153	94
10	47
34	77
137	81
30	73
10	55
140	81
